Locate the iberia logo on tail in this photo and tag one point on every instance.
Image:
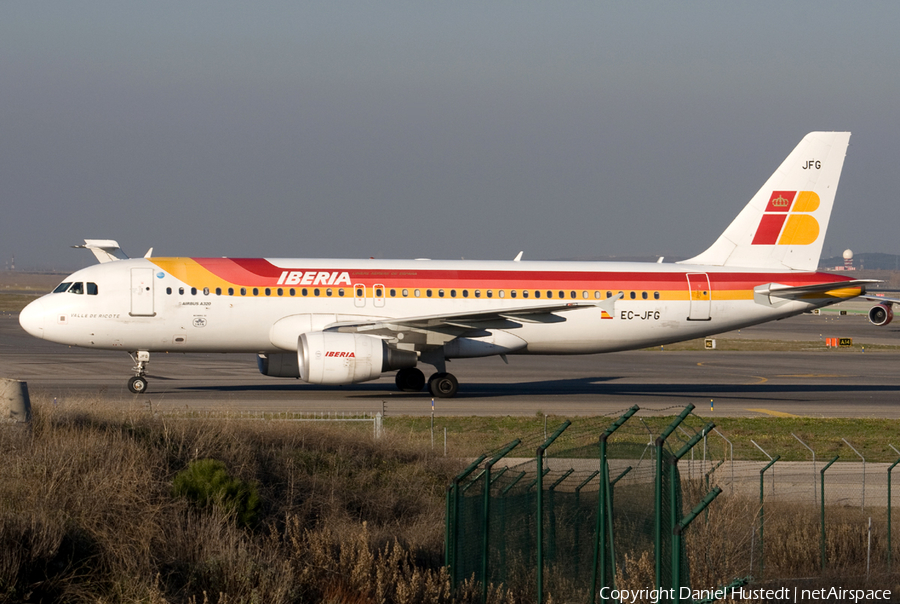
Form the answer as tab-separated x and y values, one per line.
787	219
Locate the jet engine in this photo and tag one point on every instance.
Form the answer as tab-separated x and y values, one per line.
881	314
347	358
279	364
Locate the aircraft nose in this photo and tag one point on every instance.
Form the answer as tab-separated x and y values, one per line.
32	318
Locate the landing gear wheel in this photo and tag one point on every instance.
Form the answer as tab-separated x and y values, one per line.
137	384
410	380
443	385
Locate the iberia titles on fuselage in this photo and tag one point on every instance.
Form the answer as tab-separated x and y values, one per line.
347	321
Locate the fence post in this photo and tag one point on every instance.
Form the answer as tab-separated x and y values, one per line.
889	502
764	452
731	449
485	544
452	521
863	506
673	511
815	496
579	522
706	477
822	517
657	495
539	459
600	536
762	510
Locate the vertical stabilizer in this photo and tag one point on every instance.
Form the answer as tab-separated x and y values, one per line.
784	224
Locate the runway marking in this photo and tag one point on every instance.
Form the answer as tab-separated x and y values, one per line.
811	375
774	413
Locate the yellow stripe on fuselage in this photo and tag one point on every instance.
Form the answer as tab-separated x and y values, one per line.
190	272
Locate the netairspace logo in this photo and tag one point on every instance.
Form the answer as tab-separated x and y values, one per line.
833	594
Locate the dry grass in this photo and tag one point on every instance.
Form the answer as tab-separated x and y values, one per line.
87	513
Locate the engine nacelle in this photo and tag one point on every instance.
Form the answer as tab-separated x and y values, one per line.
881	314
279	364
347	358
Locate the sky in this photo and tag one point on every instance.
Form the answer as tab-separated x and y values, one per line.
431	129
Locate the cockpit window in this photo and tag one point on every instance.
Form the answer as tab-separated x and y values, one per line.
77	288
92	289
62	287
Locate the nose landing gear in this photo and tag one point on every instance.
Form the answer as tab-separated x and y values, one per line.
138	383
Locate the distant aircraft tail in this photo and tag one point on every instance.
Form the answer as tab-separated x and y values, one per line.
784	224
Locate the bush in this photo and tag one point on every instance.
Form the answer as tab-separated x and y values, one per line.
206	482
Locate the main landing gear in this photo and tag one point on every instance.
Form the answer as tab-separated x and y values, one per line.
138	384
440	384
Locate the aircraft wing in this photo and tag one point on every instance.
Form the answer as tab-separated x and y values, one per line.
439	329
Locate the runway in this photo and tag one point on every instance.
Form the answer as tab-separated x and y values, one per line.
817	381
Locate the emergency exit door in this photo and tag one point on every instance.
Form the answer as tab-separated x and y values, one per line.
698	287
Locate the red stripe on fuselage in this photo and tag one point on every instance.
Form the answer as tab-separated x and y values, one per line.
261	272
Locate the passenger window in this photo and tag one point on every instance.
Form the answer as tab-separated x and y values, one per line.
62	287
279	291
502	293
572	295
609	294
490	293
656	295
359	292
180	291
524	293
92	289
205	291
465	293
292	292
584	294
512	293
632	295
304	292
218	291
268	292
441	293
644	295
477	293
255	291
417	293
243	291
77	288
428	293
341	292
393	293
328	292
405	293
169	291
230	291
193	291
452	293
316	292
596	295
537	293
379	293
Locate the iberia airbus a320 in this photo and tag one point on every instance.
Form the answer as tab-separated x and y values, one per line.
345	321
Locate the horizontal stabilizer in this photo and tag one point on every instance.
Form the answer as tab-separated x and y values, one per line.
106	250
770	293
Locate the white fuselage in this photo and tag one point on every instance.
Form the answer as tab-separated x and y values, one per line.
261	306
